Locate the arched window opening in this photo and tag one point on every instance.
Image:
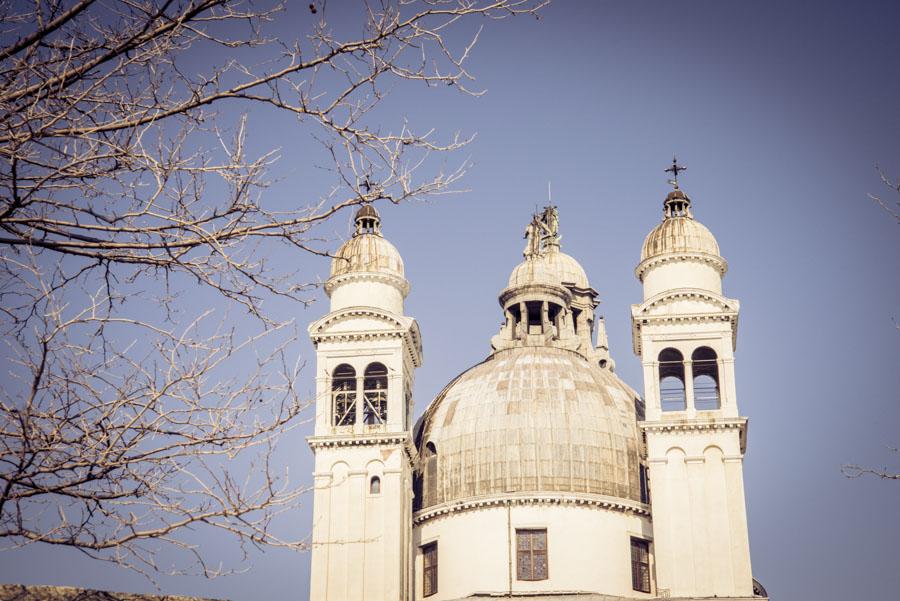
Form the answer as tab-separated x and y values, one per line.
671	380
431	475
375	486
343	395
706	379
534	316
375	394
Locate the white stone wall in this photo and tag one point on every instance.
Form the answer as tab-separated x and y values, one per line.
589	549
361	541
699	516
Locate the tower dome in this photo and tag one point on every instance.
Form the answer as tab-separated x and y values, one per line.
367	250
678	232
367	270
680	252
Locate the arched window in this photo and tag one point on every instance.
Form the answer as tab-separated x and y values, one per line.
431	475
343	395
706	379
375	394
671	380
375	486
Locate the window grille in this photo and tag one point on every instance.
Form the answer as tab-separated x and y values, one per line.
640	565
375	394
531	554
429	569
343	395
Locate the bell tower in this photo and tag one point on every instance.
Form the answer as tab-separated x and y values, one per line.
685	332
366	353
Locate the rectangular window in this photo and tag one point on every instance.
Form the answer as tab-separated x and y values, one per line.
531	554
429	569
640	565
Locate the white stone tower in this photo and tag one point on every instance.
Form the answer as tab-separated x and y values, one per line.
366	354
685	332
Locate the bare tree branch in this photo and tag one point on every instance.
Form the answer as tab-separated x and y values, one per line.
130	412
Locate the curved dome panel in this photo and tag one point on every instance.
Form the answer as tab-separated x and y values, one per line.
679	235
532	419
367	253
553	268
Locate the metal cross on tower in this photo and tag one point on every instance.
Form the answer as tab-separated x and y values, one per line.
675	169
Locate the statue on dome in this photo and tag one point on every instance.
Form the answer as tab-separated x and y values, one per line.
533	237
549	222
542	232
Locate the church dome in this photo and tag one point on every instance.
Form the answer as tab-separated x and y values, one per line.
531	419
553	267
367	253
681	234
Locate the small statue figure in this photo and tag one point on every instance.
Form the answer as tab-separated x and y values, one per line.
532	233
549	223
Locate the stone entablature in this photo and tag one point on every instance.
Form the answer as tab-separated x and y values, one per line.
524	498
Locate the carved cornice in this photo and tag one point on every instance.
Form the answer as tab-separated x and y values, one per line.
402	439
402	327
554	498
699	426
729	312
717	262
367	276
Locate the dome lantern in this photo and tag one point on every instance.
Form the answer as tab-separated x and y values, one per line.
368	221
549	301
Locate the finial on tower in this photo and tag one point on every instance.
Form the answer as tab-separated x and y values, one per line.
367	221
675	169
677	203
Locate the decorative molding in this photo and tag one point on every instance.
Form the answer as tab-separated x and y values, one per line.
405	328
549	498
402	439
717	262
697	426
367	276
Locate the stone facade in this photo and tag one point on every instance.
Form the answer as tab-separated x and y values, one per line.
538	472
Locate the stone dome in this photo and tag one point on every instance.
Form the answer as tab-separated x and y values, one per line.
552	267
531	419
367	253
681	234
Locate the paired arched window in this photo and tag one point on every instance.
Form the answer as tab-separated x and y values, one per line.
343	395
705	368
375	386
672	394
430	475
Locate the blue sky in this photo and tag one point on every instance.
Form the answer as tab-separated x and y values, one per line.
781	112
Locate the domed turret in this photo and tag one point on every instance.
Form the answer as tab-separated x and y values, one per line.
680	252
367	270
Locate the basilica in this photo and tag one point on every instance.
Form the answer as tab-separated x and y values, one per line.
536	473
